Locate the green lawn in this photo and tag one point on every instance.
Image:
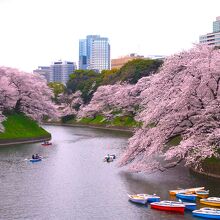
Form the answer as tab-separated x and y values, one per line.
122	121
19	126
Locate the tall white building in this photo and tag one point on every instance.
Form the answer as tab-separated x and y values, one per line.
60	71
214	37
94	53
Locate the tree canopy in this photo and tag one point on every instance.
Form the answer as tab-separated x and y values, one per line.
179	108
87	81
25	92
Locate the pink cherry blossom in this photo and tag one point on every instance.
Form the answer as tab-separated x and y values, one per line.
26	93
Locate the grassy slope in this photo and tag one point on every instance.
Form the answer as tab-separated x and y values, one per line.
122	121
19	126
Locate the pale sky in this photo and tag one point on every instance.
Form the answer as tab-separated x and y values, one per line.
37	32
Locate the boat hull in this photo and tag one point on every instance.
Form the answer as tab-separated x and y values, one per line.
202	196
150	198
143	202
206	215
46	144
190	207
168	208
35	160
210	203
190	190
186	197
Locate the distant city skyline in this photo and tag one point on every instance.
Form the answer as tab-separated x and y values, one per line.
37	32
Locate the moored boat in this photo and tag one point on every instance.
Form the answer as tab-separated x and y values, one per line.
210	213
202	193
137	199
212	201
168	206
188	205
150	198
190	190
186	196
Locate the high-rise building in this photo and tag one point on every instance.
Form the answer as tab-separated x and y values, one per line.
60	71
82	54
94	53
214	37
43	71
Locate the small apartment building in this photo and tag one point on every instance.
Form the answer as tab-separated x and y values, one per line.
214	37
60	71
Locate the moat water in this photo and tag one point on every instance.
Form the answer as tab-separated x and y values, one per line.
73	182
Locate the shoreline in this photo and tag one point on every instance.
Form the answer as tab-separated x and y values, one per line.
216	176
23	141
111	128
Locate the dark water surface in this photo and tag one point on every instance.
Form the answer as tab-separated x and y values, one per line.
73	182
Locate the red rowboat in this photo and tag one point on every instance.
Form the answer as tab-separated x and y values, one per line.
168	206
46	144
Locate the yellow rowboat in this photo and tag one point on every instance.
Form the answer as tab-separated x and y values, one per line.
190	190
212	201
202	193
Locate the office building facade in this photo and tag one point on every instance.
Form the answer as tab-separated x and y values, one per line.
60	71
214	37
94	53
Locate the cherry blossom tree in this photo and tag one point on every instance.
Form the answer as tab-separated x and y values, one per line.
111	98
182	102
70	103
26	93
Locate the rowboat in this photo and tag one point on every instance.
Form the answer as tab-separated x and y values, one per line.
212	201
202	193
35	160
150	198
186	196
109	158
137	199
46	144
168	206
209	213
190	190
188	205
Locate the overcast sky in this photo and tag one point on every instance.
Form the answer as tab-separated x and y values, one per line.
37	32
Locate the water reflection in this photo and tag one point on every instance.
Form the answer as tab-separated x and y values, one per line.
73	182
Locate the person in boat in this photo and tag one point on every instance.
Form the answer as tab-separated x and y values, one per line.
108	158
37	156
33	157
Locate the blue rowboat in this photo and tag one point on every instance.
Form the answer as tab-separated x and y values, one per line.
35	160
188	205
150	198
137	199
210	213
190	197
